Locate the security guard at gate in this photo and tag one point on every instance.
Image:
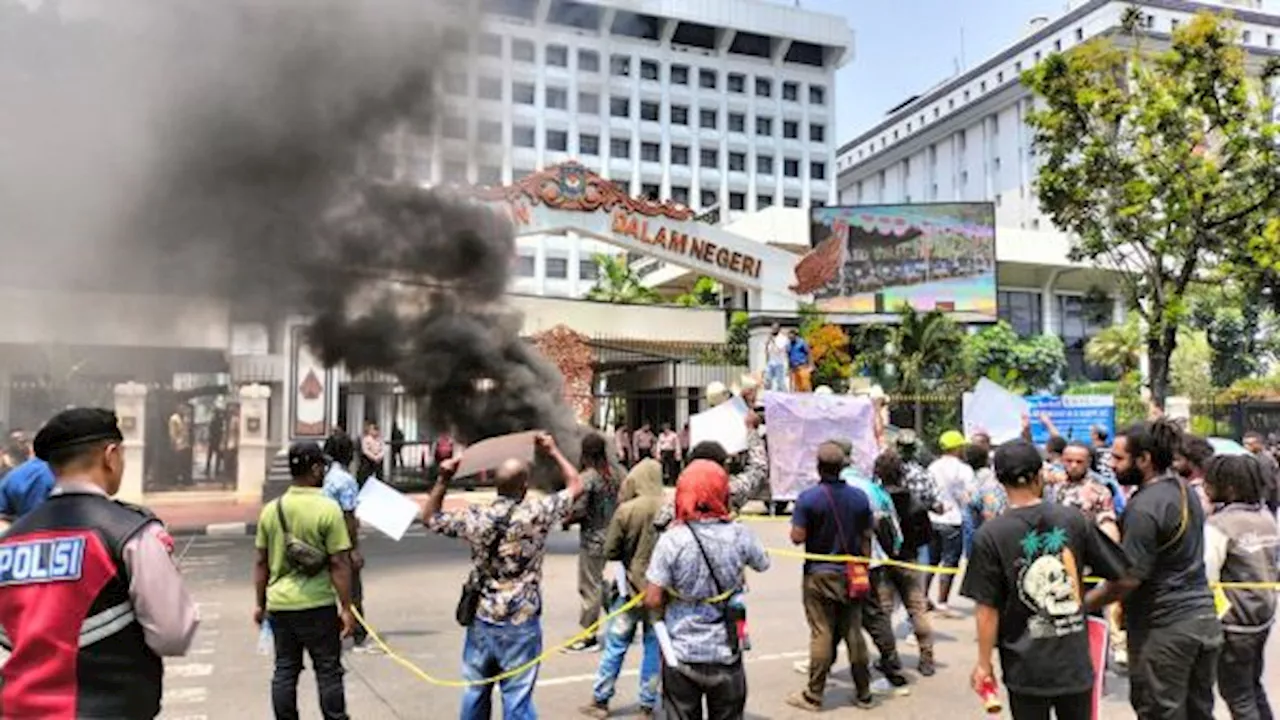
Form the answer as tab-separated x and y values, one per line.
90	597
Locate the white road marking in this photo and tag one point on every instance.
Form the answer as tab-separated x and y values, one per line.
209	544
572	679
202	651
203	604
185	696
189	670
224	529
209	617
189	717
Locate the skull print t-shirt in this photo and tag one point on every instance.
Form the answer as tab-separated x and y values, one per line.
1029	564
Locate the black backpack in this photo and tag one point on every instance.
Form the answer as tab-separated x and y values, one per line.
913	518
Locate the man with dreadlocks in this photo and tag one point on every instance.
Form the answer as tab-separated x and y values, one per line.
1174	633
601	479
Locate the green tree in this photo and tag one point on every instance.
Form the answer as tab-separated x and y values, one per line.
918	355
1233	326
1020	364
1159	163
617	283
1190	369
704	293
1118	347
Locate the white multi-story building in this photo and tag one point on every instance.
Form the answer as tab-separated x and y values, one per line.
726	103
966	139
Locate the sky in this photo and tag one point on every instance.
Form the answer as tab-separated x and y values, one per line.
904	47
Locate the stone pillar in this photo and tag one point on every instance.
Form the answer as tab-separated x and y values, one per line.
131	409
757	339
251	464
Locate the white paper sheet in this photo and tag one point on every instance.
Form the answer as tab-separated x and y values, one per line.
620	580
664	642
993	410
723	424
489	454
385	508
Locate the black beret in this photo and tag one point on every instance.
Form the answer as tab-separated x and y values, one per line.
77	426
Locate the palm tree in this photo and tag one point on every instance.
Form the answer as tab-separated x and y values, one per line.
617	283
923	347
704	293
1118	347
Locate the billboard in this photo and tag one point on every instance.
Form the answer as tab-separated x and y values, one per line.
875	258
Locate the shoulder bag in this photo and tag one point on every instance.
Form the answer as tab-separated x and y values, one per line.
469	602
302	557
857	576
734	615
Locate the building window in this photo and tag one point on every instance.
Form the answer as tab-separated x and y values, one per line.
523	136
1079	34
790	91
558	140
650	152
557	98
817	95
526	265
1000	77
588	103
737	201
620	107
489	132
522	93
455	84
764	125
680	194
589	144
679	154
707	79
490	45
818	171
1247	37
1022	311
522	51
709	157
557	268
764	87
764	164
679	115
588	270
557	56
648	70
454	128
679	74
791	129
489	88
738	162
737	122
1017	67
707	119
620	148
1270	39
650	111
764	201
455	171
737	83
791	168
708	198
620	65
817	133
588	61
791	202
653	192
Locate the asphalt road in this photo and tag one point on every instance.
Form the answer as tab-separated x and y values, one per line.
412	587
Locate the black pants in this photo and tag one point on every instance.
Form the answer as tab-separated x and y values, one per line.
1240	675
724	687
1172	670
358	634
670	466
318	632
1064	707
877	622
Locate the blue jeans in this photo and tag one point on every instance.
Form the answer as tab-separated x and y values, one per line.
775	377
492	649
618	634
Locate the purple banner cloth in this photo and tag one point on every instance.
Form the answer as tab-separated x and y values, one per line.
798	422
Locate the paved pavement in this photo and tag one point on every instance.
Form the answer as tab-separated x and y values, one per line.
412	588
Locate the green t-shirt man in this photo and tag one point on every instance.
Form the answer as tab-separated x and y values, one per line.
314	519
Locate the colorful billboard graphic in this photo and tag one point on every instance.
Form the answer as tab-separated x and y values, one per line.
876	258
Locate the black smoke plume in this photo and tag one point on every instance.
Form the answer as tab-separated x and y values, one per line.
246	149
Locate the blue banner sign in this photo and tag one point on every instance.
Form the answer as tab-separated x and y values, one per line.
1072	415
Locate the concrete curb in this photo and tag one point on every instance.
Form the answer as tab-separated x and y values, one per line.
231	529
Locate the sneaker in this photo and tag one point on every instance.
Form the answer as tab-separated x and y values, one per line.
589	645
1120	658
799	699
945	611
596	710
864	703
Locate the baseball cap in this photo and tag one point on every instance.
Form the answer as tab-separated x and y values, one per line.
951	440
303	455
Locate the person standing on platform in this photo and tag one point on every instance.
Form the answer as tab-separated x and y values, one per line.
800	359
777	359
86	628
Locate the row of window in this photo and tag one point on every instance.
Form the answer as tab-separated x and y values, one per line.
556	268
525	51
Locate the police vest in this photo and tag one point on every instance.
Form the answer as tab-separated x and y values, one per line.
77	650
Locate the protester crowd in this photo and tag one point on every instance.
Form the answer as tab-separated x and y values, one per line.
1171	545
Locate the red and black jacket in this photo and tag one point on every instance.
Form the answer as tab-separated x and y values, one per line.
77	650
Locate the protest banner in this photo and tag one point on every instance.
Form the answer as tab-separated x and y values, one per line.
489	454
724	424
1072	415
993	410
385	508
799	422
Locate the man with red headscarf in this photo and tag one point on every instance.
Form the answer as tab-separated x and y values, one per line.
696	568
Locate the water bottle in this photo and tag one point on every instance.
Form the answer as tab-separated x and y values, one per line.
266	639
737	609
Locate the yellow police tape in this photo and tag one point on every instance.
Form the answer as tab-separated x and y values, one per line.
637	599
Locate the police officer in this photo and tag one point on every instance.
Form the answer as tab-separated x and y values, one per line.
90	597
